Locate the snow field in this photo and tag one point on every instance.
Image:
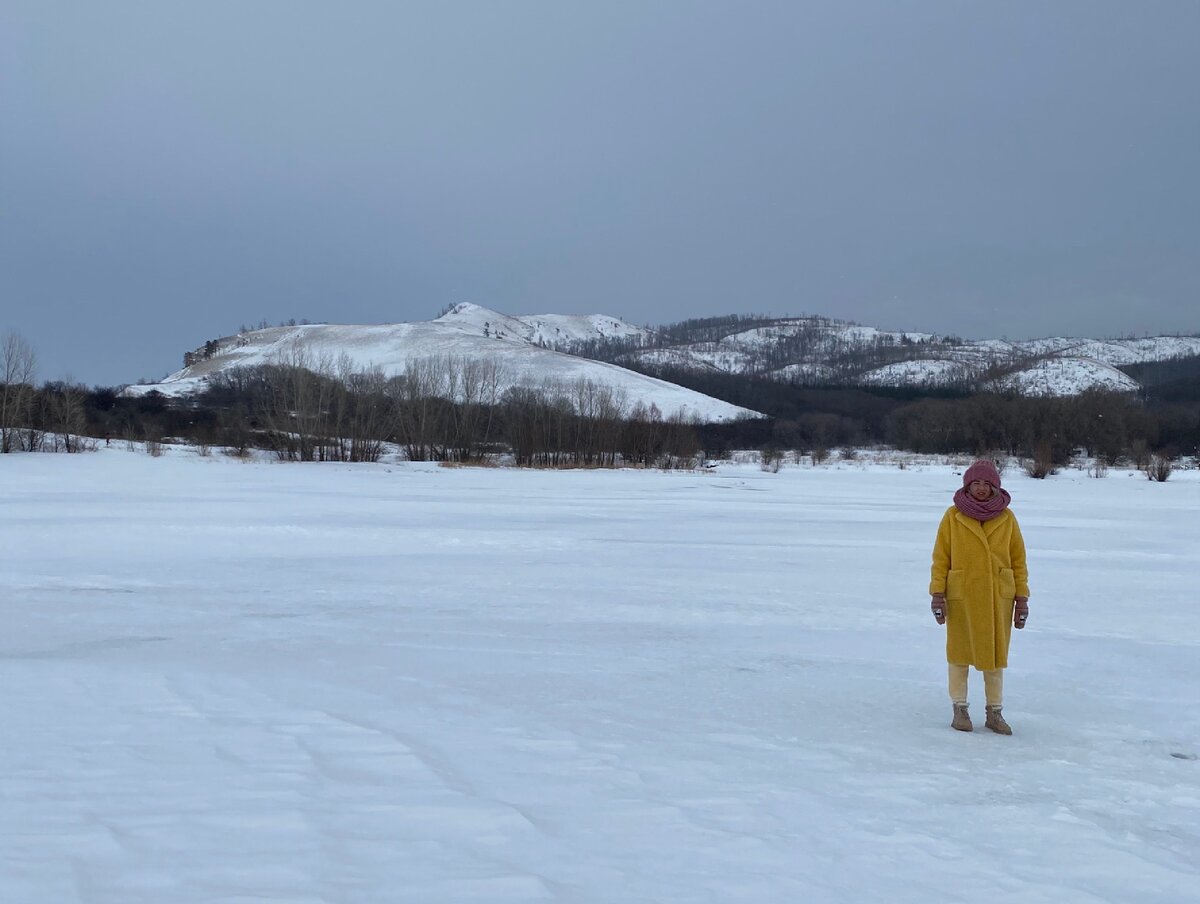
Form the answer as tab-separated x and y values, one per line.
231	682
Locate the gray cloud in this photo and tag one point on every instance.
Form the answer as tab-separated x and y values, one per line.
169	171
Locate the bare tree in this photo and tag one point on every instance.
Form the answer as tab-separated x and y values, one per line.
477	393
18	367
367	414
299	407
419	394
1139	452
64	414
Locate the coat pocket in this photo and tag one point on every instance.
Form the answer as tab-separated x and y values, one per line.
1008	584
955	581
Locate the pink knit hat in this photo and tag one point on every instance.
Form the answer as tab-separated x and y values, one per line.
982	470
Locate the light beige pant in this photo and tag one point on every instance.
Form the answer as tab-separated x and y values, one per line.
993	684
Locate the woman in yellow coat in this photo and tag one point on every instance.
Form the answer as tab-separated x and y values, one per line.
979	586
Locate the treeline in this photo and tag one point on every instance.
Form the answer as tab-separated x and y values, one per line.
301	415
69	417
1173	380
1107	424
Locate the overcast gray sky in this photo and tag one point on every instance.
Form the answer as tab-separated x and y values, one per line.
170	171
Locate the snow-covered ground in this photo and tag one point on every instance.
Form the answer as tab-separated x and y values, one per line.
228	682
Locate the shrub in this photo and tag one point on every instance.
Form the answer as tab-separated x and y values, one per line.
1041	465
771	459
1159	468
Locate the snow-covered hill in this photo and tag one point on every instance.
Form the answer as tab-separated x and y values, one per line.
518	345
811	349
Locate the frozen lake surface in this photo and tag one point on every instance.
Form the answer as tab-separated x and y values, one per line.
228	682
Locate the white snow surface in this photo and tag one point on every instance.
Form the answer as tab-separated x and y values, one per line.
468	332
340	684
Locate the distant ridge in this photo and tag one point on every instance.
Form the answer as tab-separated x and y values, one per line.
820	350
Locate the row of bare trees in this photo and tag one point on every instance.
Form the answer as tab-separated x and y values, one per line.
545	428
301	410
445	407
441	408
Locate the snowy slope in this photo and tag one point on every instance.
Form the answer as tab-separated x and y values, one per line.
804	372
383	684
917	372
691	358
1066	375
562	329
468	331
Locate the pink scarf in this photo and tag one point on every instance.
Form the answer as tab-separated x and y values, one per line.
982	511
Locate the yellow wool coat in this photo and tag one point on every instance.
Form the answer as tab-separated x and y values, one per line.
980	567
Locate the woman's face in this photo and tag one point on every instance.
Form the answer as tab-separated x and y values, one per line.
980	489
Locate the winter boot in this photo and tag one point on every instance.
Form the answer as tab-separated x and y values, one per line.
995	721
962	720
